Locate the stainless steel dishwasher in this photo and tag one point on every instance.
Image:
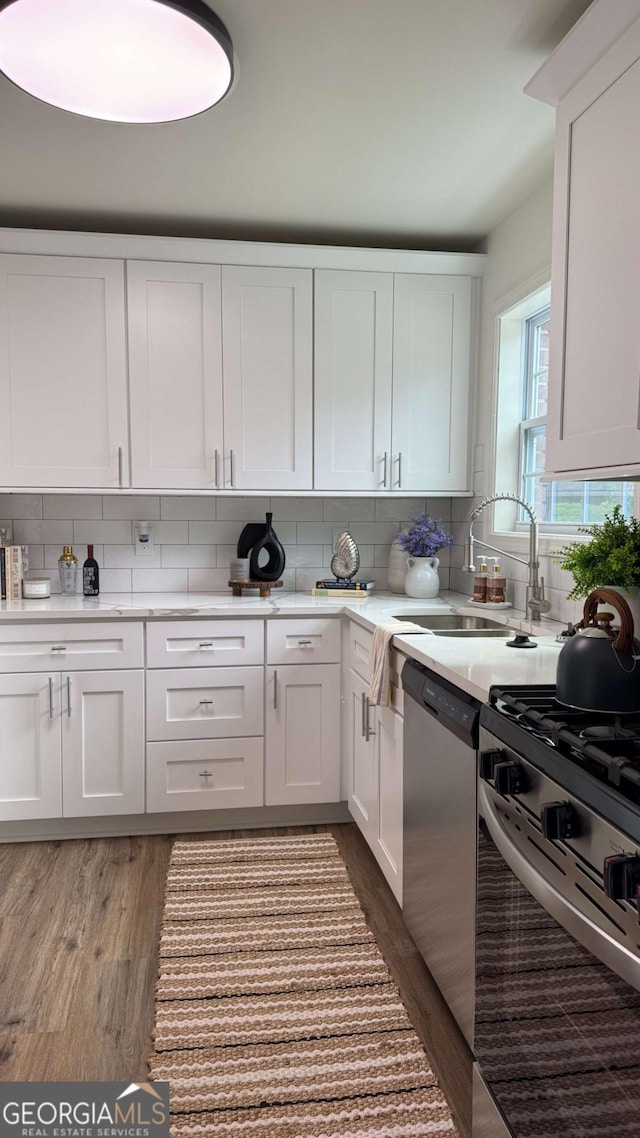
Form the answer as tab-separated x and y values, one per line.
440	747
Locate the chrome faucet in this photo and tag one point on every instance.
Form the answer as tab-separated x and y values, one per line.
536	602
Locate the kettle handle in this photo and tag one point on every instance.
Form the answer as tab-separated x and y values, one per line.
624	640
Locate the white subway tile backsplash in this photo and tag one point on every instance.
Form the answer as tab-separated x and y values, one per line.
138	508
242	509
297	510
439	508
188	556
346	510
201	508
107	533
27	507
115	580
43	533
72	506
195	536
159	580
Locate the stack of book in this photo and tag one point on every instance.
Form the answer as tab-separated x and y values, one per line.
351	589
12	570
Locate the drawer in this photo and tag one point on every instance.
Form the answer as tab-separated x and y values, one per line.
71	647
205	703
360	645
312	641
204	775
201	643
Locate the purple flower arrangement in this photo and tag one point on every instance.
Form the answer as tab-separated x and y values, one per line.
425	537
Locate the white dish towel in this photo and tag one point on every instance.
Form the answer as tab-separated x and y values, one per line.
380	689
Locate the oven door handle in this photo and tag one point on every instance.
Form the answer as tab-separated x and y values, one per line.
614	955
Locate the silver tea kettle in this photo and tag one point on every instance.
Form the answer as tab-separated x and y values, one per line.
599	667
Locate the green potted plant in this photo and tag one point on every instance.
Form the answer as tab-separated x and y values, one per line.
611	558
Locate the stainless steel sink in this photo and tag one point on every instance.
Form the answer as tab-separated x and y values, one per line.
456	624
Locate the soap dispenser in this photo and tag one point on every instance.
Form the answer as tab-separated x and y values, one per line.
496	584
480	585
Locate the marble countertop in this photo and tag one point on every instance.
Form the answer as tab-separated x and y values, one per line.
473	664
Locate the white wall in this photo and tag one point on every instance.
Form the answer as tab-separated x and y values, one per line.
519	260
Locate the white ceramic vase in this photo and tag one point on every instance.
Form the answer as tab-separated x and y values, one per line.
422	580
396	567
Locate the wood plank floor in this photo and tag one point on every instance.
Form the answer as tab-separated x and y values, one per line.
79	926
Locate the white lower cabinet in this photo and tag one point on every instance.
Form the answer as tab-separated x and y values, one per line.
374	752
71	744
302	734
102	743
30	747
207	774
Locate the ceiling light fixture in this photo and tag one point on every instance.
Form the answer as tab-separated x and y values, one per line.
133	61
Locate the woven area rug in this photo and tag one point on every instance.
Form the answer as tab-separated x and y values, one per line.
276	1016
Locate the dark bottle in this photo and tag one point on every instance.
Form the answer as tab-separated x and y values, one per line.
272	570
90	575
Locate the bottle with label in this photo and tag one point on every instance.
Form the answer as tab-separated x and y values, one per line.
496	584
90	575
68	570
480	584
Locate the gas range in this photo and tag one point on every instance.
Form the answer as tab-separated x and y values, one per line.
592	755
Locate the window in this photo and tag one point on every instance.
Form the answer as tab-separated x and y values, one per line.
521	432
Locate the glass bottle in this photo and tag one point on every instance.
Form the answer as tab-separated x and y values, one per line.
90	575
68	570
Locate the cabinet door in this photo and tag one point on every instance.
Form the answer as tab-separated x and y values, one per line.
594	380
431	383
362	759
302	734
175	375
353	358
102	743
63	381
388	841
267	368
30	763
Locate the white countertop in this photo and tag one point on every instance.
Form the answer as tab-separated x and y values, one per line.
472	664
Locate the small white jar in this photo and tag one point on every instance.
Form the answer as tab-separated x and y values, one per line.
36	588
422	580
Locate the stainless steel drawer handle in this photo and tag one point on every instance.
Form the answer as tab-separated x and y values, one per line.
216	460
206	644
385	461
275	690
205	774
120	465
368	732
362	715
69	696
203	701
50	697
59	648
232	466
304	643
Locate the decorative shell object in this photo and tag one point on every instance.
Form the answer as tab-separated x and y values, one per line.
346	559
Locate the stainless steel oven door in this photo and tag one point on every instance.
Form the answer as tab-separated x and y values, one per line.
557	1021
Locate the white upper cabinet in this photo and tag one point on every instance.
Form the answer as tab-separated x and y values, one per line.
431	383
392	381
175	375
63	380
594	379
267	368
353	360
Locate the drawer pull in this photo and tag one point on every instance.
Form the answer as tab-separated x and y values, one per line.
59	648
206	644
69	696
304	643
203	701
206	774
275	689
50	698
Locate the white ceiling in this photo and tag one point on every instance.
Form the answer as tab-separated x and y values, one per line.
368	122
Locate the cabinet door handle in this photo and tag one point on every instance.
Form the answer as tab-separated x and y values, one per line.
362	715
367	729
120	465
399	461
384	469
50	697
275	690
232	464
69	696
216	475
